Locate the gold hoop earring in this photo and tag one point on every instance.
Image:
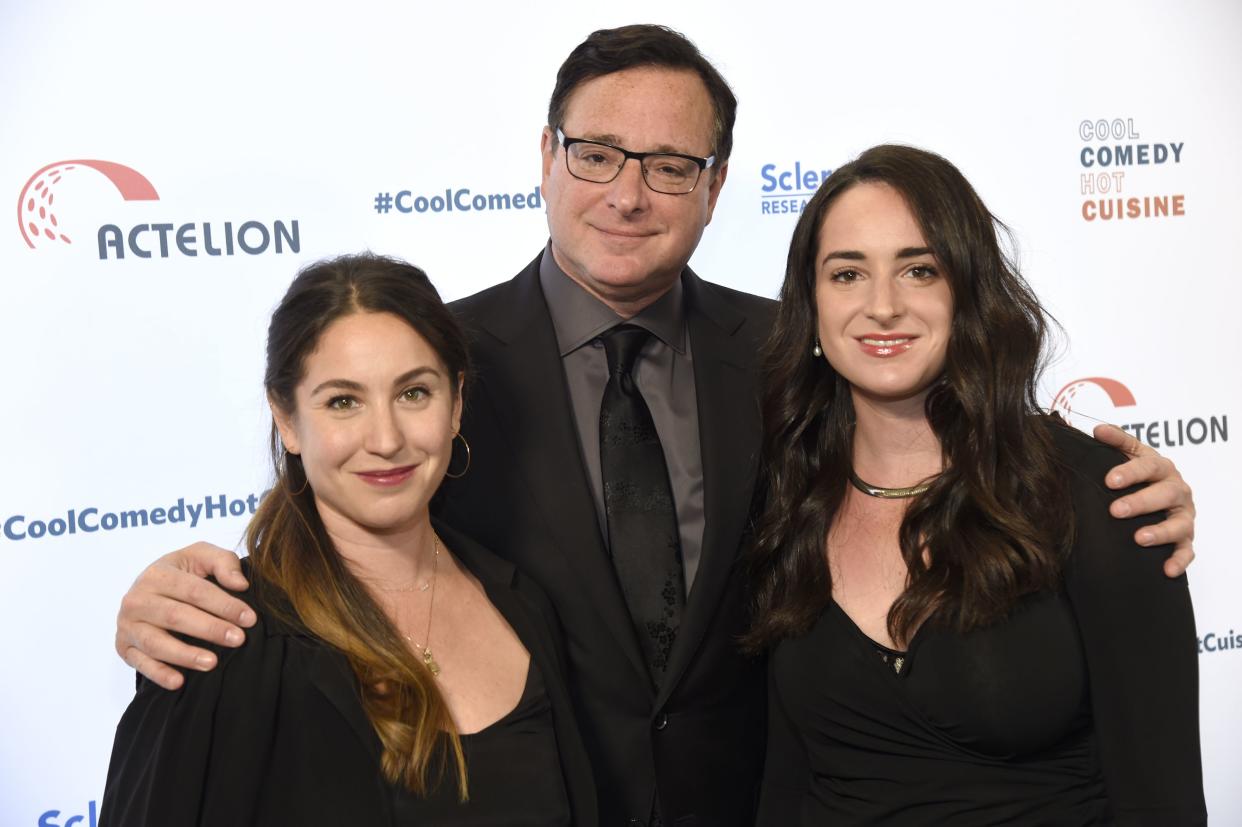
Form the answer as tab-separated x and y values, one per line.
463	471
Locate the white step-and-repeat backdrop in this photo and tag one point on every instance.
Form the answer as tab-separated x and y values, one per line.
169	168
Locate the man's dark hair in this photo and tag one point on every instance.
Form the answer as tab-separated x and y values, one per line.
613	50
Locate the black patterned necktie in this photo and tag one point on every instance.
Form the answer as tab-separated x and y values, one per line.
642	520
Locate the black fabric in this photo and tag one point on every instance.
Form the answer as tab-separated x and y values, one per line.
1080	708
515	778
642	520
696	741
276	734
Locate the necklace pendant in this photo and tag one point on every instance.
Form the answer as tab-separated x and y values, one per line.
430	662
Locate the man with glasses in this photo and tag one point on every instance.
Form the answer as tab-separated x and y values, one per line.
614	434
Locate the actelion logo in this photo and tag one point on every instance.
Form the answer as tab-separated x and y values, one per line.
1099	398
42	209
36	206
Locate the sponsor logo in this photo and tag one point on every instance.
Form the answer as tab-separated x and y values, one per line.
37	208
460	200
63	191
1084	402
1213	642
54	818
787	189
18	527
1112	150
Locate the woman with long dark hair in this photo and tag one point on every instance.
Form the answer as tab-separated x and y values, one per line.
399	674
958	633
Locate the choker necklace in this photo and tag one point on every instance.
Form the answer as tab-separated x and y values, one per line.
429	659
888	493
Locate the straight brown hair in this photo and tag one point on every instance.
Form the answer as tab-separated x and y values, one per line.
290	551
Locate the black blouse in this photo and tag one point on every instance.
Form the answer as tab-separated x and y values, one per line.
1080	708
514	773
276	735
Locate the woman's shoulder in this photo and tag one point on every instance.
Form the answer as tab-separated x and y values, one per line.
500	578
490	568
1084	458
276	616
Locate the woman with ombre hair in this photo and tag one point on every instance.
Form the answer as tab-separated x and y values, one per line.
398	674
958	633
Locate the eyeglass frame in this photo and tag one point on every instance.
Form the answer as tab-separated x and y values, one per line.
702	163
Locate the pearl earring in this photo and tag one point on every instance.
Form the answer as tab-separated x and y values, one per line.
817	351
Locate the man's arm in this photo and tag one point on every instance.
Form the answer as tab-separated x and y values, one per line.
1165	491
172	595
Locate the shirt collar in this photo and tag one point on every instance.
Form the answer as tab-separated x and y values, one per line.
578	317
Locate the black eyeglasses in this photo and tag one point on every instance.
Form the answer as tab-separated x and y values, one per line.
668	172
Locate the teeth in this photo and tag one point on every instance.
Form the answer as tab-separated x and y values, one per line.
884	342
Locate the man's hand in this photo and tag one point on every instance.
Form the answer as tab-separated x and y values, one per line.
1166	490
171	595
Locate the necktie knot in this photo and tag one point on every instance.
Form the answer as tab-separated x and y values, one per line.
622	344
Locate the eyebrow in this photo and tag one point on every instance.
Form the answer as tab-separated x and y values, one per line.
358	387
615	140
857	255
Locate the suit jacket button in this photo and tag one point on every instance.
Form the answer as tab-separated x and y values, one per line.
661	722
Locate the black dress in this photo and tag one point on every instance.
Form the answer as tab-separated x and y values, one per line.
1079	708
276	735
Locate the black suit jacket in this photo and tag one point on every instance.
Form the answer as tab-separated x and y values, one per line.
699	740
277	735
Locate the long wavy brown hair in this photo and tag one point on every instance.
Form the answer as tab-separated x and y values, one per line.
290	551
995	524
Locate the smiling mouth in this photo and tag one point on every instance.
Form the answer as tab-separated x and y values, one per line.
885	346
387	476
623	233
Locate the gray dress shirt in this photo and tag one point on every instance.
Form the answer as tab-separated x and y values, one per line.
665	375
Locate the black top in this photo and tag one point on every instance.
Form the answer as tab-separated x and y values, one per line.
1080	708
276	735
515	777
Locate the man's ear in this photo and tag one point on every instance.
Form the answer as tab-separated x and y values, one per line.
284	425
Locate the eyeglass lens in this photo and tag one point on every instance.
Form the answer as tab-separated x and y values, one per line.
664	173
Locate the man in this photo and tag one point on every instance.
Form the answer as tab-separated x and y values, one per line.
635	154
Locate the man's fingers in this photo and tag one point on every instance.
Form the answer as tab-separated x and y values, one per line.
1119	439
1178	529
1149	468
204	559
163	584
153	670
1181	559
1166	495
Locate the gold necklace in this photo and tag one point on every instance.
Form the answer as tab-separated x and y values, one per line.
888	493
429	659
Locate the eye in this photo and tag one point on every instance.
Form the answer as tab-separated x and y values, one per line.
670	169
922	272
342	403
415	393
845	275
594	155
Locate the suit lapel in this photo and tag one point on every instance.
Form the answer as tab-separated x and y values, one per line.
728	442
525	383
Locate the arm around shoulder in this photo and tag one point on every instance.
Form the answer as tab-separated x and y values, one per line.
196	757
1138	633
